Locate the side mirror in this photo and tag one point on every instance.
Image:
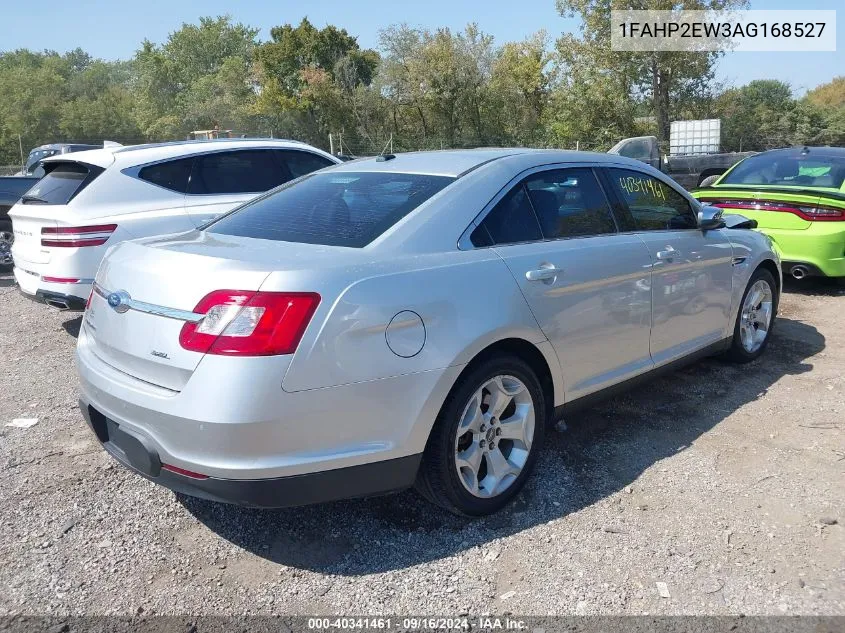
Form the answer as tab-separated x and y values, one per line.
710	218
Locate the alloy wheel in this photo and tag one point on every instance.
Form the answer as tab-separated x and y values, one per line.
756	317
494	436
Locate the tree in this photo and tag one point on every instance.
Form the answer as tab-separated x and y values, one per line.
755	116
200	77
592	96
520	81
828	103
306	76
33	90
438	85
665	78
829	95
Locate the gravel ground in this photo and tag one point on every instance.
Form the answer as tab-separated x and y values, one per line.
725	483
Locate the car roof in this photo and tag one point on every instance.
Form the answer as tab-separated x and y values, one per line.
456	163
139	154
824	151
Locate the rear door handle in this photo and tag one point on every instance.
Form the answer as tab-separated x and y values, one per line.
546	272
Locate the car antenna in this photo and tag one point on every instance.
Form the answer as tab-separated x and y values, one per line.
382	157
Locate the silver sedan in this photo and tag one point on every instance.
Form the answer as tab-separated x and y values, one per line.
409	320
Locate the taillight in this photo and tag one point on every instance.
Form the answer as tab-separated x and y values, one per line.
249	323
76	236
90	296
809	213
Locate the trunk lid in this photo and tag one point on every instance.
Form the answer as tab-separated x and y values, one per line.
143	344
175	272
27	222
46	204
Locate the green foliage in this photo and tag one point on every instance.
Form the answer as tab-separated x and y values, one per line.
669	80
199	78
46	97
763	115
307	75
423	89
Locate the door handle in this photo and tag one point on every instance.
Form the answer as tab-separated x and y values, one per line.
546	272
669	254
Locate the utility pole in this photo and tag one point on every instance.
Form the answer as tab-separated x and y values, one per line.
20	145
331	144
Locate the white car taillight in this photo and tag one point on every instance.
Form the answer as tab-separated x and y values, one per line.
233	319
76	236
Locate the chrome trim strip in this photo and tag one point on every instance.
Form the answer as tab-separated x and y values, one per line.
151	308
41	278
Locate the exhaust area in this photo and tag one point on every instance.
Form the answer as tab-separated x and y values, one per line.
799	272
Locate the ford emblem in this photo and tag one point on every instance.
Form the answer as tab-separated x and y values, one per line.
119	301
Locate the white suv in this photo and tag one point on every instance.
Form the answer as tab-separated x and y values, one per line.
89	201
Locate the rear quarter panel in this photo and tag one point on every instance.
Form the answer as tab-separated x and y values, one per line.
465	305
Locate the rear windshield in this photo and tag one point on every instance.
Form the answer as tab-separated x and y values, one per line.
332	208
59	185
789	170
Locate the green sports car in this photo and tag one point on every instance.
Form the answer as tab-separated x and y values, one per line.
797	197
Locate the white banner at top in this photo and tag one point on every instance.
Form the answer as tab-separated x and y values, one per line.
753	30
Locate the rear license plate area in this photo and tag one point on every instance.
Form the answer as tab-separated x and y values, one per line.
124	445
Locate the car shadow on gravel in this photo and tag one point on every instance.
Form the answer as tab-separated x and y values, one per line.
72	326
603	451
814	287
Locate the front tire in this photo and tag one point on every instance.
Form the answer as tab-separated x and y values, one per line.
755	319
486	438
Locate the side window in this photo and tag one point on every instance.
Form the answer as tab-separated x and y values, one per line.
512	220
301	163
245	171
654	205
171	175
570	203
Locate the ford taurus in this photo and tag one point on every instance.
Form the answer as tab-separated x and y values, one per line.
408	320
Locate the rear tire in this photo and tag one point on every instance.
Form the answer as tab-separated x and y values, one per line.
706	182
486	438
755	318
7	238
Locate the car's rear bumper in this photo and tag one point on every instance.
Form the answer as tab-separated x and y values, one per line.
139	455
232	420
57	300
65	296
821	247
